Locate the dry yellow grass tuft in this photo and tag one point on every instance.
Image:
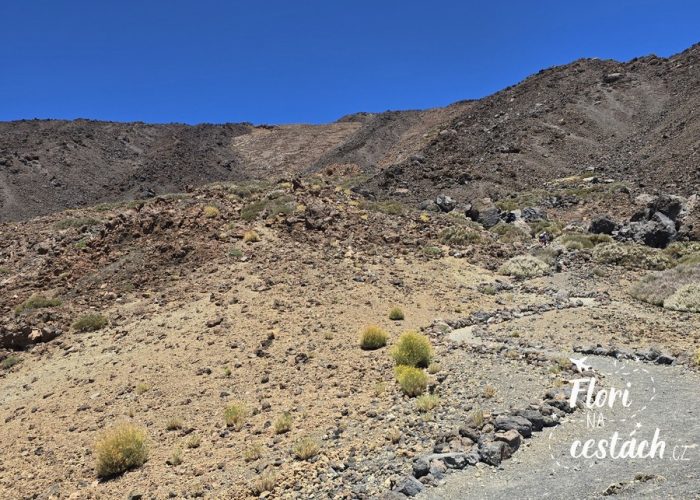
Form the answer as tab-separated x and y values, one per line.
283	423
235	415
413	381
211	212
412	349
373	337
251	237
305	448
120	449
427	402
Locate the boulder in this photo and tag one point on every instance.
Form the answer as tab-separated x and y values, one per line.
493	452
489	217
535	418
514	422
668	205
409	486
512	438
531	214
603	224
429	206
445	203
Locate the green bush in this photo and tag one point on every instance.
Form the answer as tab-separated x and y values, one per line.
120	449
427	402
9	362
510	233
37	302
235	415
412	349
396	314
76	223
373	337
524	266
305	448
90	323
659	287
580	241
685	298
631	256
459	236
413	381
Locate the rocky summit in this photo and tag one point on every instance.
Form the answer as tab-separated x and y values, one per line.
414	303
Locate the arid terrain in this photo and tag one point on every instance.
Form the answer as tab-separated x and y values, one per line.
158	275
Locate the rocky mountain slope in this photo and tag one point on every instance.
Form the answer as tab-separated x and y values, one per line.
635	122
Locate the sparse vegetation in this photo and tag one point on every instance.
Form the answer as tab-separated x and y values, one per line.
459	236
120	449
580	241
253	452
236	253
413	381
431	251
476	417
264	483
193	441
211	212
236	415
90	323
173	424
489	391
510	233
394	435
631	256
142	388
251	237
427	402
685	298
176	458
9	362
396	314
412	349
656	288
524	266
37	302
373	337
433	368
283	423
305	448
696	357
76	223
385	207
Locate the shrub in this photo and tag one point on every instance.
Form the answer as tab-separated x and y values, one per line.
76	223
141	388
251	237
265	483
510	233
477	417
193	442
657	287
120	449
253	452
396	314
696	358
459	236
305	448
489	391
631	256
235	415
686	298
412	349
9	362
552	227
431	251
211	212
37	302
524	266
427	402
173	424
580	241
283	423
90	323
236	253
433	368
373	337
413	381
176	458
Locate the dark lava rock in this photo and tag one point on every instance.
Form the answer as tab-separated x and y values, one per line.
493	452
445	203
409	486
515	422
603	225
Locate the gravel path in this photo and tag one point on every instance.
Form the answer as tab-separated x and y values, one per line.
663	397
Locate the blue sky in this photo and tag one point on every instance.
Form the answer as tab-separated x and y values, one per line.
302	61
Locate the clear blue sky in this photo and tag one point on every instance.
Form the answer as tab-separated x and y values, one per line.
290	61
